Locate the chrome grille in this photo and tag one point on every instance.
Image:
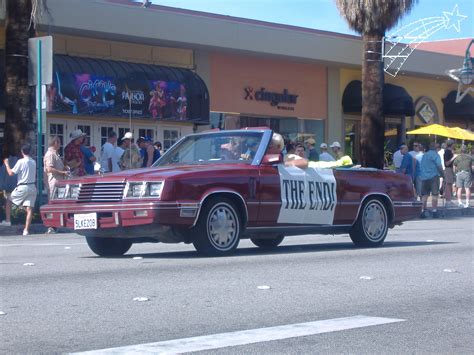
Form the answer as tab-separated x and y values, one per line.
101	192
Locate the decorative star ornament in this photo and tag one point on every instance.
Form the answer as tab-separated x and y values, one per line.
453	19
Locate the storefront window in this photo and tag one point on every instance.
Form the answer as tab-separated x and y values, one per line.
104	134
170	137
146	132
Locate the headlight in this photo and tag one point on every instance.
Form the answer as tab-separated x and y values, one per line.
67	192
155	189
143	189
60	192
74	191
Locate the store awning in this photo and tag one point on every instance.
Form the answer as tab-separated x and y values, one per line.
98	87
461	111
396	100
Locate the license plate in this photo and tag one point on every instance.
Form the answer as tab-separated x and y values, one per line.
85	221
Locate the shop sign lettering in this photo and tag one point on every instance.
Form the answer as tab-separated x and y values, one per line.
274	98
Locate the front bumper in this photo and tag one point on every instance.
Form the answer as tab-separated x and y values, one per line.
123	214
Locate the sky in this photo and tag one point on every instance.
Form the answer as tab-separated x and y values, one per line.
323	14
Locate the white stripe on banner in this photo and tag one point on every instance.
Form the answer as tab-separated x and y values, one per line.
251	336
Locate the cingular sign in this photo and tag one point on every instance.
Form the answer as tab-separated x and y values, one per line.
274	98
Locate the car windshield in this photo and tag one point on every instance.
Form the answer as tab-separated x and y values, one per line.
218	147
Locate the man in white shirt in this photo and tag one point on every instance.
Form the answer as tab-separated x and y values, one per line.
118	152
24	194
416	150
107	153
325	156
398	157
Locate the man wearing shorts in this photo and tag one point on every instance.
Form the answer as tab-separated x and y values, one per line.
463	166
430	172
24	194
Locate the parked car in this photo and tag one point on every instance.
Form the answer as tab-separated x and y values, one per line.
214	188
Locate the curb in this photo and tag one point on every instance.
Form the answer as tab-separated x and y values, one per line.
35	228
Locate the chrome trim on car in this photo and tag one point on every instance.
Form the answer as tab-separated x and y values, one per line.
219	192
140	205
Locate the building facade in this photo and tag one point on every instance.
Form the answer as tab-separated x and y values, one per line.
111	68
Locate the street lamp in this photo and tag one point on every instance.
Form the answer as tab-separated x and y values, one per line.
466	74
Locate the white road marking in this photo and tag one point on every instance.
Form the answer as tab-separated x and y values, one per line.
251	336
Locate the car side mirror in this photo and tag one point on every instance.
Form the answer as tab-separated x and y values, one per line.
272	159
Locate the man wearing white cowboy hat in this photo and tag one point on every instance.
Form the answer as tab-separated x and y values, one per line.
131	158
336	148
73	156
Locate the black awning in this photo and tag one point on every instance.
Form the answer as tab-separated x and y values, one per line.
86	86
461	111
396	101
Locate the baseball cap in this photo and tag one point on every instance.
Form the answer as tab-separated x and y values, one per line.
311	141
335	144
323	145
127	135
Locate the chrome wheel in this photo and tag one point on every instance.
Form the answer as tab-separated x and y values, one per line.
222	227
374	221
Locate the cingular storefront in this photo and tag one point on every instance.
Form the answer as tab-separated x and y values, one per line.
252	91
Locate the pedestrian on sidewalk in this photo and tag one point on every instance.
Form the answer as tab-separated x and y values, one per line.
448	159
398	157
7	184
53	164
107	153
418	170
89	158
463	166
408	164
24	194
151	154
73	156
430	172
131	158
54	168
325	156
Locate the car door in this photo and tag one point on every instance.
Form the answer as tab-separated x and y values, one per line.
269	195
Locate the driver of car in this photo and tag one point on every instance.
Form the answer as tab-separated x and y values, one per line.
252	146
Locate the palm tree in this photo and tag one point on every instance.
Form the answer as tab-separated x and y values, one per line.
19	126
371	18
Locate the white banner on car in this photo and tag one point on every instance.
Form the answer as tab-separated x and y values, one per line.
308	196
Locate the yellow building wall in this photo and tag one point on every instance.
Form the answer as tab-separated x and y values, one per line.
436	90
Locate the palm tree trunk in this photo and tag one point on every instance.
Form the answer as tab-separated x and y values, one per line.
19	126
373	121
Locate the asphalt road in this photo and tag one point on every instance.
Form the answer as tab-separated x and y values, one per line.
71	300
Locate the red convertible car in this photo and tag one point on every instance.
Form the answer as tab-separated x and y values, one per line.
214	188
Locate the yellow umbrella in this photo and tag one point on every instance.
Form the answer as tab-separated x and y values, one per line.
437	130
466	135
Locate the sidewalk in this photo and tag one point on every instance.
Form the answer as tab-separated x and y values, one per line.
452	210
